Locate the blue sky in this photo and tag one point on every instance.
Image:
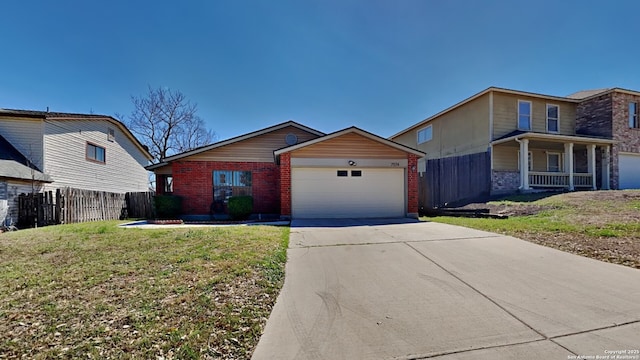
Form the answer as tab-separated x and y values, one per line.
329	64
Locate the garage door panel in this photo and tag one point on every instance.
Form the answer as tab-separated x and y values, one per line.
320	193
629	171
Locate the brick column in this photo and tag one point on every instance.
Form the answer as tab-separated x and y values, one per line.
285	185
412	185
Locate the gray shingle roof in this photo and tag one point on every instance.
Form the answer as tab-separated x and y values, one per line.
13	164
583	94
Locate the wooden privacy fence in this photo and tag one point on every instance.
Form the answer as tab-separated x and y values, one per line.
70	205
454	179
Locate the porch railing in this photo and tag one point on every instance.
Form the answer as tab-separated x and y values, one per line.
558	179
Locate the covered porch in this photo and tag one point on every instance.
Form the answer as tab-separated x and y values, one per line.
549	161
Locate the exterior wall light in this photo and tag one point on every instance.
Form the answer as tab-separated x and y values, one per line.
352	163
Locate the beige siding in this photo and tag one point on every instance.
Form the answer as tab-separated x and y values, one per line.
349	146
462	131
505	157
505	114
256	149
26	136
65	144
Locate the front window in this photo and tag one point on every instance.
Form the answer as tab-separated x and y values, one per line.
425	134
168	184
227	183
524	115
95	153
554	162
553	115
633	116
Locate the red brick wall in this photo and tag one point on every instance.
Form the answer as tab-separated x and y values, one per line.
160	184
285	184
193	180
412	184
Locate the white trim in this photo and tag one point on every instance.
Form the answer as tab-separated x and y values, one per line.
424	129
560	162
530	115
557	118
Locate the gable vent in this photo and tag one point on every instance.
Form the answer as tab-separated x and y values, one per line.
291	139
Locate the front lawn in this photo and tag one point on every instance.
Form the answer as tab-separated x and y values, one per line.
604	225
98	291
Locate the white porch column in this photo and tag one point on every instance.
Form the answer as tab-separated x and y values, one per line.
524	164
568	163
591	164
606	167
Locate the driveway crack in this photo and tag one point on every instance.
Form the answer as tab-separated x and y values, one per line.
545	337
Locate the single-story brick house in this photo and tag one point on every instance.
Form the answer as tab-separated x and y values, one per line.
294	171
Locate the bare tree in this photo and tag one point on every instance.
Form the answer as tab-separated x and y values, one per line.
167	123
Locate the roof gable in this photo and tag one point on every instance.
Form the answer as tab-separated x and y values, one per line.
58	116
359	134
195	153
478	95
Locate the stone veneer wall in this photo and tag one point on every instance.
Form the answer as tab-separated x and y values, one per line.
504	181
593	117
628	139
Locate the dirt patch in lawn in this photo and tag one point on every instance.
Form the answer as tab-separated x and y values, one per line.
604	225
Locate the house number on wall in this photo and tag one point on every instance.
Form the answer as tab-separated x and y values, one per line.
395	164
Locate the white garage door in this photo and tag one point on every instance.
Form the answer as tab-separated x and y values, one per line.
347	193
629	171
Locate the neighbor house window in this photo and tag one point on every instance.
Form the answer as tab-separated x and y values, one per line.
524	115
529	160
111	134
342	173
553	116
554	162
95	153
228	183
425	134
356	172
168	184
634	122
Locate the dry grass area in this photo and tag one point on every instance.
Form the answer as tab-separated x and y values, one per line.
96	291
603	225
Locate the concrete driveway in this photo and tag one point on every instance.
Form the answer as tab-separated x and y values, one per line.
401	289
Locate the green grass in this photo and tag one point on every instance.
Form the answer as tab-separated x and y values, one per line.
98	291
602	224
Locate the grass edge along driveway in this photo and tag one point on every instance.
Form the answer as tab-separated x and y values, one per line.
95	290
603	225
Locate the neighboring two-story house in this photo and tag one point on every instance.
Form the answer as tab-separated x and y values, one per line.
43	150
587	140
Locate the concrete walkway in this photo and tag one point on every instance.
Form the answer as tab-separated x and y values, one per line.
401	289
